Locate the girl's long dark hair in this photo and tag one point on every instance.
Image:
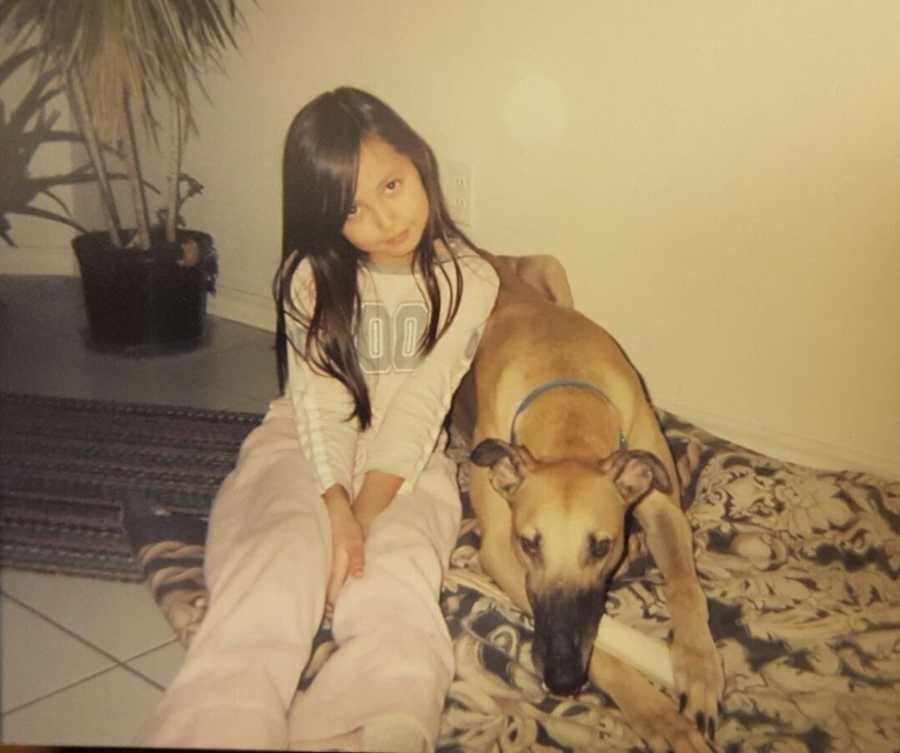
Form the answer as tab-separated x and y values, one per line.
321	160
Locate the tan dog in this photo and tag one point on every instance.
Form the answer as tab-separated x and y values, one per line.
566	445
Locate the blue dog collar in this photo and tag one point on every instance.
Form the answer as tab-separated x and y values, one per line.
541	389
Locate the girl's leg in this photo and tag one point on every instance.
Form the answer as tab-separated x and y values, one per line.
384	687
267	556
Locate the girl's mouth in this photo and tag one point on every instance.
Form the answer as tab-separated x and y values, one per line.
397	239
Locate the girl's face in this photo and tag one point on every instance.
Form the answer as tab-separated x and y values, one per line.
390	209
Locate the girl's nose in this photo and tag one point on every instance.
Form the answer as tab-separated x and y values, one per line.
385	216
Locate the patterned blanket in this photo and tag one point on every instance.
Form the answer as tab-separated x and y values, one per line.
801	570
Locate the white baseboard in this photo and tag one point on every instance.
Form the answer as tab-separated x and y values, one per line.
229	303
783	446
247	308
259	311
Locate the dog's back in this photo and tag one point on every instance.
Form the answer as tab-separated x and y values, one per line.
531	339
526	283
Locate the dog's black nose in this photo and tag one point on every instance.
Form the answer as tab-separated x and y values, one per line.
566	681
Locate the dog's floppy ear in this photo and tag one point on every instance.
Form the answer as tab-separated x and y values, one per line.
635	473
508	463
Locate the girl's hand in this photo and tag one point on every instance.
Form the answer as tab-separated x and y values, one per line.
378	490
347	543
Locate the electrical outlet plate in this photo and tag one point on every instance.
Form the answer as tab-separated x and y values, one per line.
458	192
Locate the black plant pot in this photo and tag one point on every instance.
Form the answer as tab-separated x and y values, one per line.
146	300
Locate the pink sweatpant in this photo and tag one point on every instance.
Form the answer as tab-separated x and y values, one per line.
268	554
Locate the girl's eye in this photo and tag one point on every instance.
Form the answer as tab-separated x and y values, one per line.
353	212
392	185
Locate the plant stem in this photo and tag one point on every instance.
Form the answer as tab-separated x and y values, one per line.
175	151
82	113
128	145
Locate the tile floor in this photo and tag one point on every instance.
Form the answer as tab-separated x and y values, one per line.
70	677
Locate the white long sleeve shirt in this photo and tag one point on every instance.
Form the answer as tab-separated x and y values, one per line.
410	395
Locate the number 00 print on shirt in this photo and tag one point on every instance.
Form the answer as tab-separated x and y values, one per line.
389	342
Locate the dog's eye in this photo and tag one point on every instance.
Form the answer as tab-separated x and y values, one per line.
531	547
600	547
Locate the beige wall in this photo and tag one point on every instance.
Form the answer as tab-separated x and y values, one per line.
41	246
721	179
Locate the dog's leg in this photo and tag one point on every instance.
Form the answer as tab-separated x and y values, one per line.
697	669
648	712
495	521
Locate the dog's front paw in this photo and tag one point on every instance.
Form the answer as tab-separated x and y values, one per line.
650	714
662	728
699	679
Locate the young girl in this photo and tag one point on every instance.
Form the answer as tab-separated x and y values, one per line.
342	496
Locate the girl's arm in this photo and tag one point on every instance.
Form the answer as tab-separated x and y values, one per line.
321	403
377	492
350	525
413	419
347	541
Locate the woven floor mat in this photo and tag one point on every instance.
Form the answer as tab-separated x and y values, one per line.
69	468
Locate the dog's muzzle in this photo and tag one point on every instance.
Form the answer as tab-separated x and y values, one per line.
565	626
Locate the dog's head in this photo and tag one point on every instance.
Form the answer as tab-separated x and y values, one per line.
568	529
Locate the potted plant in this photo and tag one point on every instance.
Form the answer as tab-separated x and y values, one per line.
146	284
